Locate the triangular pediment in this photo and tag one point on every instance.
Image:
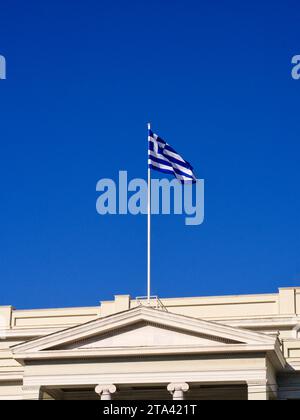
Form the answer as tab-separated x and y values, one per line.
146	334
141	330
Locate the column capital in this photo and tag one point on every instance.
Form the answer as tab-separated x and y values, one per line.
177	389
257	382
105	391
32	392
258	390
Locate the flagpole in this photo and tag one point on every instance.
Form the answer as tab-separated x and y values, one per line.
149	232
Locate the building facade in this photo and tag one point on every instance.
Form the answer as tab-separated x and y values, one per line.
206	348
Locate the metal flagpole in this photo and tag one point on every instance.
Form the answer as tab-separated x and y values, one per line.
149	231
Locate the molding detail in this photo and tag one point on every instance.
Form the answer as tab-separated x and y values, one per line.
169	320
105	391
32	392
177	390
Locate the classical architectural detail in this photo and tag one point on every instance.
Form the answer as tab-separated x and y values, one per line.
105	391
177	390
230	347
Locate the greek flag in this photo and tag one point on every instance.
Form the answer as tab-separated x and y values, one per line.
164	158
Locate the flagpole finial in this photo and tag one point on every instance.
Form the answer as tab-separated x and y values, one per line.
149	126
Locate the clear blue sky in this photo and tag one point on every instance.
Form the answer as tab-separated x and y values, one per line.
84	77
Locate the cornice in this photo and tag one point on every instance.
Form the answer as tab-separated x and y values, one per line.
83	354
112	322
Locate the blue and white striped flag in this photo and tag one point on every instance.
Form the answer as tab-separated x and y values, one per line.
163	158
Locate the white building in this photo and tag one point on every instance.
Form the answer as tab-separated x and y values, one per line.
229	347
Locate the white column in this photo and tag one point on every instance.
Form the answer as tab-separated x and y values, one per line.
105	391
258	390
31	392
177	390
